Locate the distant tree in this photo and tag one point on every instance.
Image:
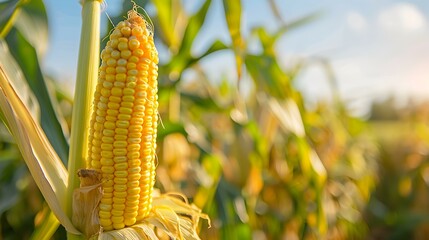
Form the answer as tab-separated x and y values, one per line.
385	110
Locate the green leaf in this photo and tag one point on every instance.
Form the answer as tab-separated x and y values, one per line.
9	192
165	21
268	40
169	128
275	10
216	46
27	58
233	19
12	68
261	144
8	11
224	201
208	176
181	62
405	223
268	75
299	22
7	8
206	103
48	226
193	28
33	25
184	59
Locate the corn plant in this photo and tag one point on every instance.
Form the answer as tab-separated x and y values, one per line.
397	209
116	159
262	165
256	164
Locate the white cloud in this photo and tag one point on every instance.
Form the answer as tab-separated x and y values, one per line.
402	17
356	22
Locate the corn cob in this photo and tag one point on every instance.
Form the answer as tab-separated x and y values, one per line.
123	128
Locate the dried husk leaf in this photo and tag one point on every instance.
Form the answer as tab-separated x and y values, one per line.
171	215
85	202
43	162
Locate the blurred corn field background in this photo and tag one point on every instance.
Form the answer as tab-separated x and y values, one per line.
249	150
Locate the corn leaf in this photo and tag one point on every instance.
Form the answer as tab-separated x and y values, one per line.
268	75
44	164
27	57
33	25
233	19
216	46
170	128
164	17
299	22
11	67
185	60
275	10
9	192
9	10
288	115
193	28
208	176
47	227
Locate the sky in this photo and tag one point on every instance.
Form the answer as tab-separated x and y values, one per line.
376	47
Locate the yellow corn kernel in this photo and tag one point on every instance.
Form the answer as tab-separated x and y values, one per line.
105	214
119	180
115	54
123	124
117	213
118	225
122	46
105	207
106	201
119	206
119	200
105	222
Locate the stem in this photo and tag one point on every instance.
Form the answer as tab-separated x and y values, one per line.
87	73
49	225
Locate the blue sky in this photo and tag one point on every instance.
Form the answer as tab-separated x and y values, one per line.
376	47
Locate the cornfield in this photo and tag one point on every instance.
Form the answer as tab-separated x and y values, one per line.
158	149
